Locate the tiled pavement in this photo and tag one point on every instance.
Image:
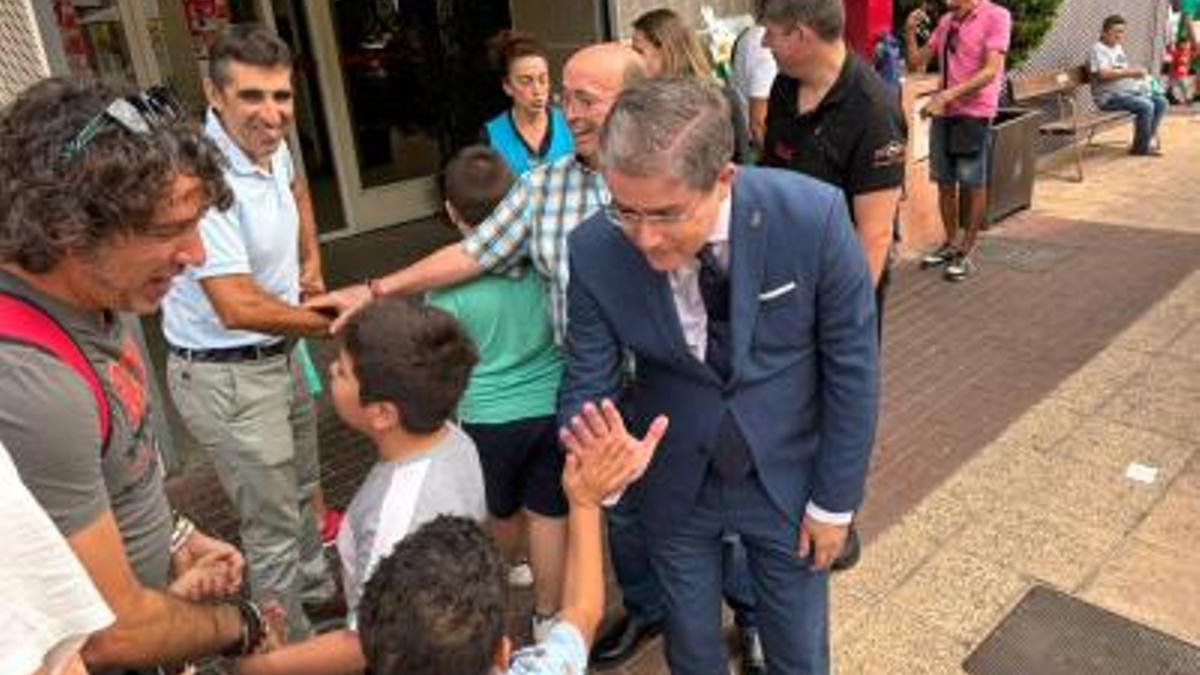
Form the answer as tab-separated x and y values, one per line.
1012	404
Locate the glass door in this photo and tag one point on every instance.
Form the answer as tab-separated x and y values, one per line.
402	85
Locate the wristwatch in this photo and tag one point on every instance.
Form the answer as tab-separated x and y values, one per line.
253	630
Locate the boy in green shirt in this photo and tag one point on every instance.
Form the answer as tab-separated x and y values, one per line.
509	406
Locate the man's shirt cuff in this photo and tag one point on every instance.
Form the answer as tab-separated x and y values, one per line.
828	517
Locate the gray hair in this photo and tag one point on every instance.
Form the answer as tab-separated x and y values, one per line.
248	44
826	18
677	127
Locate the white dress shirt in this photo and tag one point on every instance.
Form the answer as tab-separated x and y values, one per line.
693	319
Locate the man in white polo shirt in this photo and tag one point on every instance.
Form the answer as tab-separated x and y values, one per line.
231	324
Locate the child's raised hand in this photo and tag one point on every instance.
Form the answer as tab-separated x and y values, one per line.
603	458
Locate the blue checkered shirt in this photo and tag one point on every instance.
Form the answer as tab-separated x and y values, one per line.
532	223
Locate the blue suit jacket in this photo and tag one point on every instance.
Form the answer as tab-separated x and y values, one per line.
804	385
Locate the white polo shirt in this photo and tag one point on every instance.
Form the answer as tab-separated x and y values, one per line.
259	235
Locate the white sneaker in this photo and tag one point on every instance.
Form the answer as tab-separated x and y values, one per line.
520	575
960	268
541	626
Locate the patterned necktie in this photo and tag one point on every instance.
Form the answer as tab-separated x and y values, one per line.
731	456
714	289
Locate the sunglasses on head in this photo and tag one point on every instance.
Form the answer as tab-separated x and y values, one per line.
137	114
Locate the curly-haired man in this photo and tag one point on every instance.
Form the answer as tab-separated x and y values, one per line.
101	192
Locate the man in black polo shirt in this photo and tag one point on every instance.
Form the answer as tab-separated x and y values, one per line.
832	117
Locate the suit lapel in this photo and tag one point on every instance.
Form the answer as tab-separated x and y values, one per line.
747	236
663	301
660	302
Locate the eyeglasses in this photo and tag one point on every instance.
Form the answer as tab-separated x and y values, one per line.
568	98
138	114
627	217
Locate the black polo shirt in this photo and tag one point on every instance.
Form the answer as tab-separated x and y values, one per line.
855	138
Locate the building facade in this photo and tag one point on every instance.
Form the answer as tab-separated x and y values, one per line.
386	90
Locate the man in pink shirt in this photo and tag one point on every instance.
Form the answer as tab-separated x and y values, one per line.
970	42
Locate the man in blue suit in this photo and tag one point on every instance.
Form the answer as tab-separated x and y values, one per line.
745	300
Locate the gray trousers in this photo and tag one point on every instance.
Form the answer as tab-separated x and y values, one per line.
258	423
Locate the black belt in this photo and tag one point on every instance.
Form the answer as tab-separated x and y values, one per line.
233	354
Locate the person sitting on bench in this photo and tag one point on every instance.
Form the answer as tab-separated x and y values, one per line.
1118	86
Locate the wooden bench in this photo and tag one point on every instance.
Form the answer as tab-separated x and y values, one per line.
1073	121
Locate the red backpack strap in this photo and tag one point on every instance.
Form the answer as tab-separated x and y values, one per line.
26	323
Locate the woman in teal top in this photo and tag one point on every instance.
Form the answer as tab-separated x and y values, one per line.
532	132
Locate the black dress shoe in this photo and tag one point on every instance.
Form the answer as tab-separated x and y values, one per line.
754	662
851	550
621	641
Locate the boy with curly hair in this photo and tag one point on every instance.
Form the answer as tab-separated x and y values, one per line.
436	605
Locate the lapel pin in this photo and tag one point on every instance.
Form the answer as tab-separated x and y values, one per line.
756	219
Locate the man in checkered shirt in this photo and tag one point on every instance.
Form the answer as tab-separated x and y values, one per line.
533	221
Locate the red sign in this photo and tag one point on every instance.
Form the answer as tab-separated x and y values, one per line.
866	20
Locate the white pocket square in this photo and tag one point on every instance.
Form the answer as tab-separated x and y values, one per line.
776	292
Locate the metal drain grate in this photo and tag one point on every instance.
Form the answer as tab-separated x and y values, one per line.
1050	633
1022	255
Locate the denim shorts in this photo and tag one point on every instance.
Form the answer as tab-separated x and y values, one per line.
965	170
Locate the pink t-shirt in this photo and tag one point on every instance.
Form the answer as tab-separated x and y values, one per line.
985	29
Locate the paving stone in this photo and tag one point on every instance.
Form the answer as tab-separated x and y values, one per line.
1039	544
1158	329
1006	467
1043	426
946	512
1158	587
1169	372
1174	524
846	608
1189	478
1171	413
1088	388
962	594
890	639
1102	498
1185	297
1187	344
1112	446
886	564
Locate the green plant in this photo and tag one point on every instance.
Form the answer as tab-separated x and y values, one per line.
1031	20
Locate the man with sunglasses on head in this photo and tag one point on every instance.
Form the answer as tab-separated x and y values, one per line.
970	43
101	193
234	369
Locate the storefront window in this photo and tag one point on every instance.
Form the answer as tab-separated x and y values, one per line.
416	80
93	38
203	21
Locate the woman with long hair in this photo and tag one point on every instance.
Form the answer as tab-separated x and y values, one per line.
670	48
